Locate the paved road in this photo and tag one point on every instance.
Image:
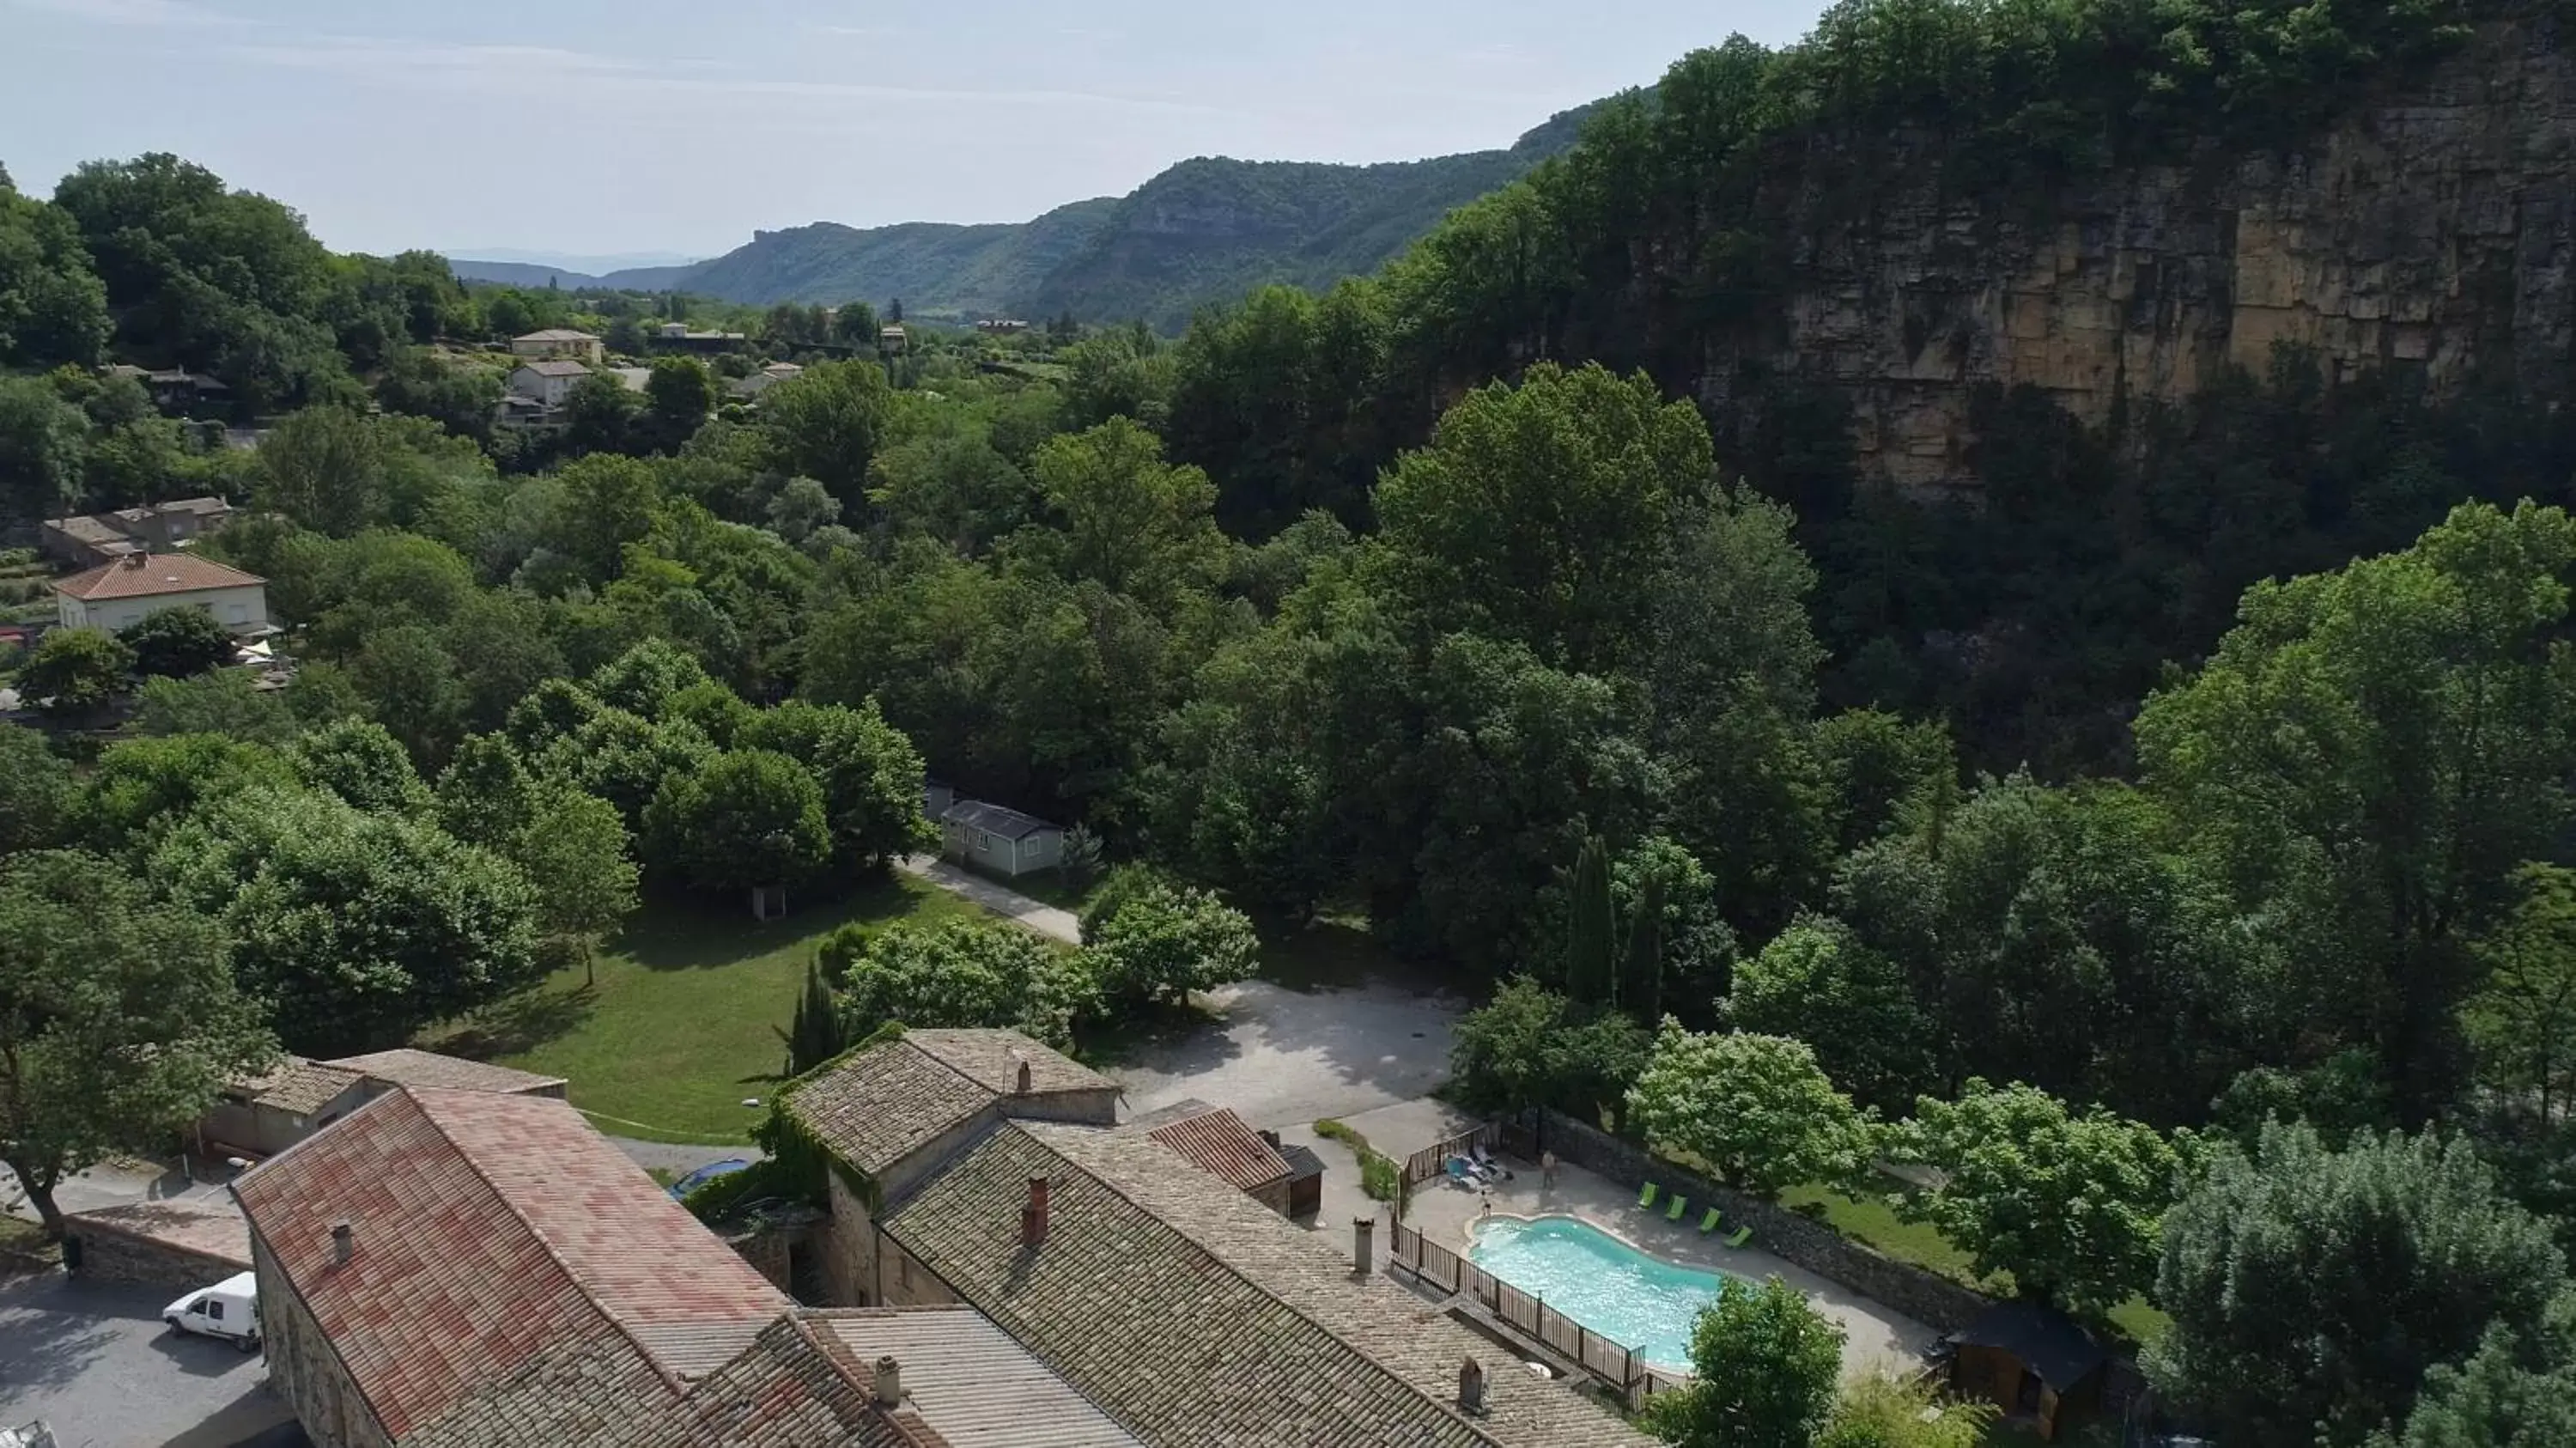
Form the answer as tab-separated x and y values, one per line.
1037	915
93	1360
1284	1058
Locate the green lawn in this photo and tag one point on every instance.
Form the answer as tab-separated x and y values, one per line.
679	1029
1872	1221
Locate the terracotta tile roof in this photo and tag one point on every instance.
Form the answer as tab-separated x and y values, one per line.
1199	1318
878	1106
1217	1142
428	1068
556	334
208	1227
141	575
489	1231
974	1386
296	1086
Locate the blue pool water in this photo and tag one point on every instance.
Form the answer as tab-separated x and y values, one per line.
1637	1301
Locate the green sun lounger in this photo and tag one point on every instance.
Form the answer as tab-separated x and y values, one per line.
1680	1205
1646	1198
1708	1223
1742	1236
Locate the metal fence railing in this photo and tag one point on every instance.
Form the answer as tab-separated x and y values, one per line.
1528	1314
1432	1160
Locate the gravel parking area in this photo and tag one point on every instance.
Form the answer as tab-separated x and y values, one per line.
94	1361
1284	1058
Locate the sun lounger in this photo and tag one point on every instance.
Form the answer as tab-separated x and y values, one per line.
1742	1236
1680	1205
1488	1163
1708	1223
1646	1198
1461	1173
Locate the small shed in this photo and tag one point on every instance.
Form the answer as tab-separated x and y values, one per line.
2036	1362
1000	841
263	1115
1305	1178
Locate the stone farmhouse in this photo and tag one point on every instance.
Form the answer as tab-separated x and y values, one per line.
1005	1265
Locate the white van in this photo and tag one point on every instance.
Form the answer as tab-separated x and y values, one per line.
229	1310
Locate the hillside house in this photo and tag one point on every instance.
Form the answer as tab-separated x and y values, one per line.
124	591
547	384
748	388
89	540
559	344
1000	841
893	340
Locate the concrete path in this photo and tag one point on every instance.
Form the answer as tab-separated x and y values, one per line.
1011	905
681	1160
107	1185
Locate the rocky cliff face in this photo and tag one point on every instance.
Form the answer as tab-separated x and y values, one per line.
2432	228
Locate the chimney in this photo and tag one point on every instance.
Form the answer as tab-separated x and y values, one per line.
1471	1388
139	558
889	1384
344	1241
1022	1085
1033	1217
1363	1245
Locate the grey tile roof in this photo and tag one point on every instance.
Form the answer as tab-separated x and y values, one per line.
407	1067
974	1386
295	1085
994	819
880	1105
1200	1319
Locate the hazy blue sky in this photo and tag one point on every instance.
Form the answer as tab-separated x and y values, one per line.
681	125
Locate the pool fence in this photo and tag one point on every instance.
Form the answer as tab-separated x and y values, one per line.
1529	1315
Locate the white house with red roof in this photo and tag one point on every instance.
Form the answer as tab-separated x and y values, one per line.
127	589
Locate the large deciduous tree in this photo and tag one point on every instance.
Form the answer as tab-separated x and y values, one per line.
870	774
2312	1290
76	671
1154	939
177	642
2522	1021
119	1019
824	424
1765	1364
2369	756
2070	1204
39	797
960	973
1755	1109
737	822
1819	983
360	927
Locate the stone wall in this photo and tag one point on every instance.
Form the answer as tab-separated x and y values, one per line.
2433	228
304	1370
165	1244
1927	1297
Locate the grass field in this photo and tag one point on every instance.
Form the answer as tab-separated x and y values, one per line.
679	1028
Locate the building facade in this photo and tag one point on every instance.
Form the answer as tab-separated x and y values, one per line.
133	587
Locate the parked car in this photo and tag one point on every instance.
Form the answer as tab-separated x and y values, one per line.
680	1189
33	1435
228	1310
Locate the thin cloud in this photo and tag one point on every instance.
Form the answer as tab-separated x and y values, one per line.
164	14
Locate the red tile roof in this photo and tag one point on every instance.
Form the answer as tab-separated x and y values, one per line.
140	575
487	1229
1219	1143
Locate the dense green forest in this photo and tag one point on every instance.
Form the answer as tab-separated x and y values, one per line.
2173	851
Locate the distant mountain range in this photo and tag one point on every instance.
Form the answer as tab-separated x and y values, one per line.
1207	230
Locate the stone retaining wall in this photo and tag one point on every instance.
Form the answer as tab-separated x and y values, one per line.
1927	1297
110	1253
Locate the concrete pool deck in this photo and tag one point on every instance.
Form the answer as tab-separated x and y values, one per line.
1875	1336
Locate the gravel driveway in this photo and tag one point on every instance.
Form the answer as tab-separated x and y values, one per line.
1285	1058
93	1360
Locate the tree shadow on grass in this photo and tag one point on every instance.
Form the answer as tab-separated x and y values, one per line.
1162	1028
522	1023
709	934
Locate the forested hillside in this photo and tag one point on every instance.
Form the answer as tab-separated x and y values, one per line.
1207	230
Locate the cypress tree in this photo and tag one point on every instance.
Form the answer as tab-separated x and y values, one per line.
1591	948
817	1034
1641	989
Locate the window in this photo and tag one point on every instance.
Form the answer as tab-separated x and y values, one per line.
236	613
214	1311
197	1308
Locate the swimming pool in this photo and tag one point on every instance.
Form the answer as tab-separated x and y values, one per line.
1637	1301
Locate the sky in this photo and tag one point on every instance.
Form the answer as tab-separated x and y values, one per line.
586	127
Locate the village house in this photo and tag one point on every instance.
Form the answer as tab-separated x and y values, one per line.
1255	1163
766	378
89	540
975	1169
999	841
260	1116
124	591
679	337
454	1268
548	384
559	344
633	379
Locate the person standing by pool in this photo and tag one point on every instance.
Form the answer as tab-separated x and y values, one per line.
1547	1171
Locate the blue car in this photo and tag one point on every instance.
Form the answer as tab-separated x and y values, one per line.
680	1189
